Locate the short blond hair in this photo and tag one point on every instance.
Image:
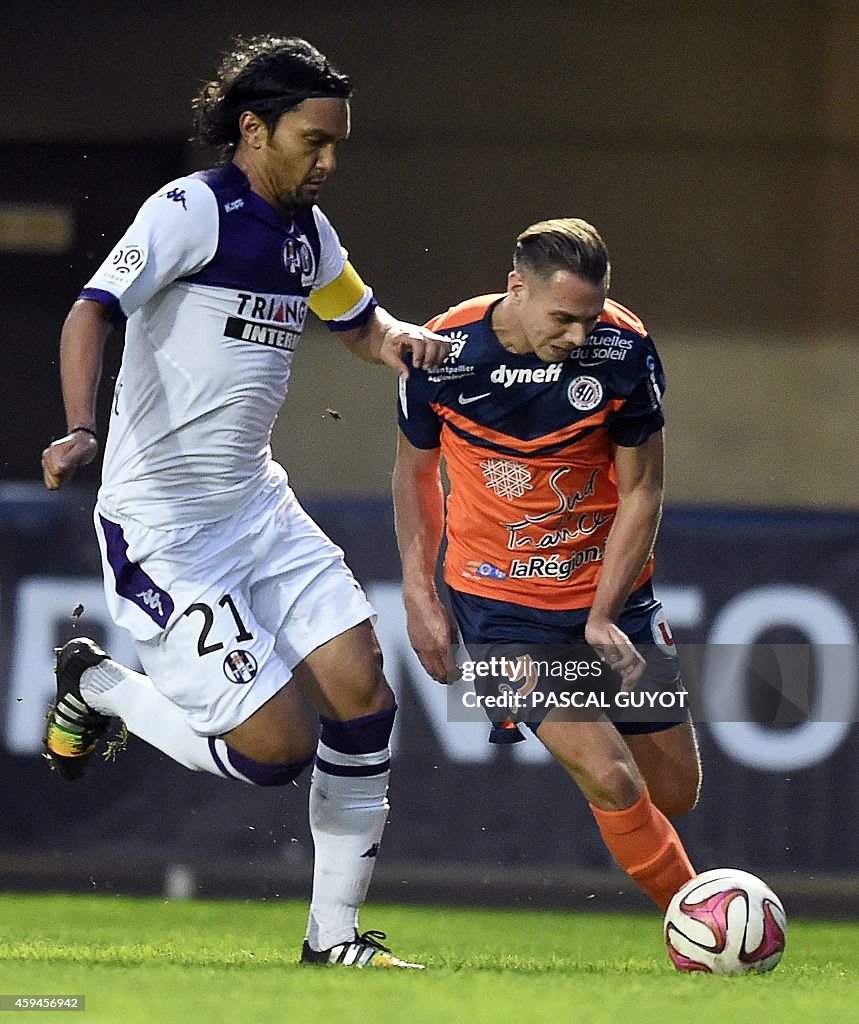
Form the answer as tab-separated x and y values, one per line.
564	243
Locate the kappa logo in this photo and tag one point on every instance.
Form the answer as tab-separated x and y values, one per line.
177	195
240	666
152	599
585	393
236	204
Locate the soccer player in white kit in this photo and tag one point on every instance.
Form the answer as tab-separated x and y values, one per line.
250	627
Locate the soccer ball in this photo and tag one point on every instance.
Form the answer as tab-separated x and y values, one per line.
725	922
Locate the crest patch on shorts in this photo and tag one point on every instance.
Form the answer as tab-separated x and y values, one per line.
240	666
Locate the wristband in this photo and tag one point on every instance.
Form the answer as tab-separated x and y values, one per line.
85	430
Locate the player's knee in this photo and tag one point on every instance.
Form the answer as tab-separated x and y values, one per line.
369	690
273	772
616	785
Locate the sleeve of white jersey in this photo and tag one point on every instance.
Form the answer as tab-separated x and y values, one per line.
175	233
339	296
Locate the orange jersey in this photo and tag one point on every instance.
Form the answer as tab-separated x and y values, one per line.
529	448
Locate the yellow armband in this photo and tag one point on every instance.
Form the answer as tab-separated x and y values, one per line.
338	297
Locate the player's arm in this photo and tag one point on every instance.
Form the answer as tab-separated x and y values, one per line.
81	353
383	339
419	516
346	304
639	473
180	224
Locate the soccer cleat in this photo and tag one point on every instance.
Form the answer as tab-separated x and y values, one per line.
365	950
73	726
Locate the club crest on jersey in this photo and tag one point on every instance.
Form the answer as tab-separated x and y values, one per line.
299	260
585	393
240	666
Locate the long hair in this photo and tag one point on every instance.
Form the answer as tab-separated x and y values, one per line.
268	75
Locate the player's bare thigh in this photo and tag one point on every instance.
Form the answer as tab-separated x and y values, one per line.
597	758
671	766
283	730
341	679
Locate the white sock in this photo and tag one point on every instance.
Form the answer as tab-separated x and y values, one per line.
113	689
347	817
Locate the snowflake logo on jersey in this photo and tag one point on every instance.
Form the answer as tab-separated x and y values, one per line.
457	341
508	479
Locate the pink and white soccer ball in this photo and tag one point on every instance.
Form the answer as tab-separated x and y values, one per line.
725	921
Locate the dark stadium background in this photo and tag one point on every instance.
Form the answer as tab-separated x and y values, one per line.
717	149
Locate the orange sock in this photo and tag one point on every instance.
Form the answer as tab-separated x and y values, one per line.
646	845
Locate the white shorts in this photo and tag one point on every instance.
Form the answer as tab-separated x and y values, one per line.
222	613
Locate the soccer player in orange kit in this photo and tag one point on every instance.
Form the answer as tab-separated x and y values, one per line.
548	416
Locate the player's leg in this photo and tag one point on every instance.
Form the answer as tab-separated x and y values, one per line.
189	714
638	835
348	792
670	764
306	596
665	751
185	596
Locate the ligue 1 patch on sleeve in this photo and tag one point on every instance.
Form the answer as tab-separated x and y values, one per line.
123	265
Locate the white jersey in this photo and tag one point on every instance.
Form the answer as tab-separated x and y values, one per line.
216	288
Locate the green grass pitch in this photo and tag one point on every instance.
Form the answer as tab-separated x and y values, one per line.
157	962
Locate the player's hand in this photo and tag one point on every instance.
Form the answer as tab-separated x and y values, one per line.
616	649
428	350
65	456
432	634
